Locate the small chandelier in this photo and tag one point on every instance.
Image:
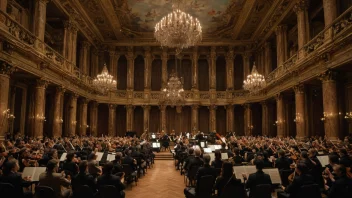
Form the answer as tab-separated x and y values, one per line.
104	82
254	81
178	29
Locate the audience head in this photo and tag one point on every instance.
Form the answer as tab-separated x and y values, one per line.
83	166
259	164
312	153
52	166
118	156
301	168
343	152
190	151
340	170
206	159
333	159
107	169
282	153
197	152
304	154
227	170
92	156
70	156
11	166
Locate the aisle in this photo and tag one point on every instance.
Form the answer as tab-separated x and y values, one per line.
161	181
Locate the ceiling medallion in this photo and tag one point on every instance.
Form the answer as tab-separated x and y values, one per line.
254	82
178	29
104	82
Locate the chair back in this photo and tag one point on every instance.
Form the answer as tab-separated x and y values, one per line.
44	192
109	191
309	191
193	172
232	189
127	169
284	176
262	191
82	191
205	186
7	190
218	171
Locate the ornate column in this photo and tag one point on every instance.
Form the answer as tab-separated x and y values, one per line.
73	114
148	59
114	58
146	116
129	117
94	63
5	72
83	60
230	118
212	68
195	57
229	68
70	41
212	117
330	14
265	118
163	117
281	42
130	68
331	114
74	44
112	120
39	108
280	122
195	119
301	9
40	18
246	65
248	126
268	62
93	118
58	117
164	58
300	111
83	117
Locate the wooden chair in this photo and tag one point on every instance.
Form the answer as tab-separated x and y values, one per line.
130	175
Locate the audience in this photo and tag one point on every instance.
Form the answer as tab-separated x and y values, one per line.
107	178
83	178
257	178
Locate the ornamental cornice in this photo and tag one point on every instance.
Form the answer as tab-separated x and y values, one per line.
6	68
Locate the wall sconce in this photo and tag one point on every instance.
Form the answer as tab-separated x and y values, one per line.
60	120
250	127
87	126
327	116
297	118
348	115
41	118
74	122
8	115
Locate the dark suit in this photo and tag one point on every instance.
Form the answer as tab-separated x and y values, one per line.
129	160
84	179
255	179
196	161
346	161
16	180
109	179
187	161
297	183
118	168
70	168
283	163
55	181
203	171
221	183
340	188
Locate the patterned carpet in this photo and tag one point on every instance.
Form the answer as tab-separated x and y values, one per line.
161	181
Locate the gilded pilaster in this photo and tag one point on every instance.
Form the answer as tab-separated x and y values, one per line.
114	58
58	117
246	65
281	42
5	71
148	59
281	122
73	114
146	117
300	111
230	118
112	120
83	62
248	126
93	118
330	14
195	119
301	9
164	58
195	57
40	18
212	117
212	68
265	118
129	118
130	68
83	117
163	117
229	68
39	108
268	60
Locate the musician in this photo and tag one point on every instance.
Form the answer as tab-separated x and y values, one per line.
118	168
317	167
342	185
217	163
93	165
70	167
226	177
257	178
237	158
83	178
301	178
283	162
188	159
224	150
107	178
344	158
196	161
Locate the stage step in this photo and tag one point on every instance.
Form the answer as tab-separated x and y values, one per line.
164	156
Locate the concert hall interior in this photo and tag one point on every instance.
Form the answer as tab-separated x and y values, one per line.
176	98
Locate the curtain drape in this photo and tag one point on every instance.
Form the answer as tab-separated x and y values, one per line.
139	73
154	119
203	75
122	73
156	75
138	120
221	120
121	120
203	114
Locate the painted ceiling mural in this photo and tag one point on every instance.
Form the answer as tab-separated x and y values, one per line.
142	15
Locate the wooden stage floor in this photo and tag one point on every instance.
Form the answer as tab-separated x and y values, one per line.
161	181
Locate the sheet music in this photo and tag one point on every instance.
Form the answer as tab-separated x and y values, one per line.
239	170
33	172
153	136
202	144
99	156
212	147
212	157
274	175
324	160
224	156
207	150
111	157
156	145
217	147
63	157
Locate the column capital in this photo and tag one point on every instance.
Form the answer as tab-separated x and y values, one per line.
230	54
328	76
195	107
44	1
113	54
229	107
85	44
40	83
212	52
112	106
6	69
299	89
280	28
247	105
70	25
301	5
84	101
129	107
95	104
146	107
279	96
130	53
267	45
212	107
264	103
60	89
162	107
246	55
74	96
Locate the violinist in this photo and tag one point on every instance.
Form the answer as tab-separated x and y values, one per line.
317	167
25	160
342	185
344	158
70	164
283	162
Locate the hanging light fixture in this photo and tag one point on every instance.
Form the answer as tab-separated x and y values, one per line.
178	29
104	82
254	81
173	92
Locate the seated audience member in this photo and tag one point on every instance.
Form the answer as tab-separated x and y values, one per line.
55	180
302	178
283	162
196	161
257	178
188	159
70	167
83	178
129	160
107	178
11	176
93	165
118	168
217	163
225	177
341	186
202	171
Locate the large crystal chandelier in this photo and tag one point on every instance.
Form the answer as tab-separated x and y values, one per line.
104	82
173	93
178	29
254	81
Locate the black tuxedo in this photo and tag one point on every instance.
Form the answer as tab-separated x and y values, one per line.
84	179
196	161
257	178
339	188
203	171
297	183
109	179
283	163
16	180
118	168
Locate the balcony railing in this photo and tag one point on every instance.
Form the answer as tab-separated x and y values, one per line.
282	69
